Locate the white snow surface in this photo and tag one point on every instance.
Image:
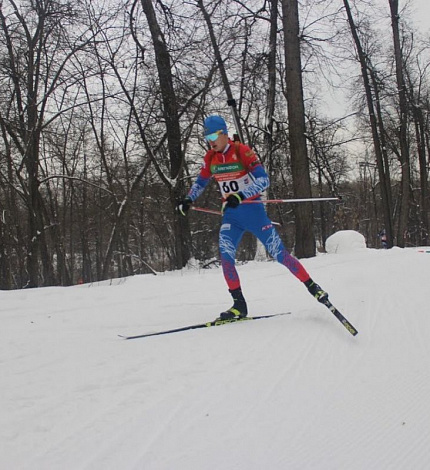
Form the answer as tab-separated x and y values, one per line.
294	392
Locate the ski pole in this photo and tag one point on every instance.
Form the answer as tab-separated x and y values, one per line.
282	201
212	211
271	201
207	211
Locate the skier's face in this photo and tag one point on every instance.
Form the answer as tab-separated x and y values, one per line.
219	143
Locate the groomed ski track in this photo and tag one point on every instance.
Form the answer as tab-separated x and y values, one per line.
296	392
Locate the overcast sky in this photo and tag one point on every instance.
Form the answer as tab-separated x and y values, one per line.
421	14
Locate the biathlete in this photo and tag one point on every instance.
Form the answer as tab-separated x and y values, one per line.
241	177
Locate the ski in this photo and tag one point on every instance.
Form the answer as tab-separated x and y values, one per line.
340	317
197	326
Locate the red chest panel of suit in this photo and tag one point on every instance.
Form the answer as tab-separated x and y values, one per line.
231	169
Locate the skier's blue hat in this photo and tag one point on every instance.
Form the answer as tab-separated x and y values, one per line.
214	124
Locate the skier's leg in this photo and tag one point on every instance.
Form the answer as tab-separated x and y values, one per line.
229	238
264	230
273	244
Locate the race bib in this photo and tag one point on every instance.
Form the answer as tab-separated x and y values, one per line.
231	177
229	186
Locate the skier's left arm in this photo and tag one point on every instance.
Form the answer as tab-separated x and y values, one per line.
256	171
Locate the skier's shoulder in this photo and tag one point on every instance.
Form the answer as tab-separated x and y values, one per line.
247	155
209	155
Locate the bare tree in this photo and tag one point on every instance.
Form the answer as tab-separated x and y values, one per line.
38	50
271	89
305	239
403	131
222	69
417	96
367	75
171	118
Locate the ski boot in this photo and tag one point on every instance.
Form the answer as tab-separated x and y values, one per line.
239	308
316	291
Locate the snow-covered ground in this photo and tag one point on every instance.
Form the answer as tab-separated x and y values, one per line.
295	392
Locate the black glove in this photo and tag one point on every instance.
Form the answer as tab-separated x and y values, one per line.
233	200
184	206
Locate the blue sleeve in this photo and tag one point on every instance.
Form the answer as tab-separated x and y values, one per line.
198	187
260	182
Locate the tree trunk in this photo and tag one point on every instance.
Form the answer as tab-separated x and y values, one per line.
271	89
403	134
171	116
305	239
385	184
420	135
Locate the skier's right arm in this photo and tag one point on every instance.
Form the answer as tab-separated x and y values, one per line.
197	188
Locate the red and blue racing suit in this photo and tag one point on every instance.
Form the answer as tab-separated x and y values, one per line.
239	170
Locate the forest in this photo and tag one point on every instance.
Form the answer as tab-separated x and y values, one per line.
101	119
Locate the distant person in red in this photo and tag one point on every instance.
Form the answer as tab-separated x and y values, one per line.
241	177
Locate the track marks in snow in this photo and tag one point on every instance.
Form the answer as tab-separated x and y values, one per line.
296	392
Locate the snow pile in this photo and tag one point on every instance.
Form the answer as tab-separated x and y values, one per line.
345	241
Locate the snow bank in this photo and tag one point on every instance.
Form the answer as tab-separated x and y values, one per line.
345	241
296	392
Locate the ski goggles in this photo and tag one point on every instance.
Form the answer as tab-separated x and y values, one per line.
214	136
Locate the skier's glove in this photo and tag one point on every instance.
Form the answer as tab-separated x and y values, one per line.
233	201
184	205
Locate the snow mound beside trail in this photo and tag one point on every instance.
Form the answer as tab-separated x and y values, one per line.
345	241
